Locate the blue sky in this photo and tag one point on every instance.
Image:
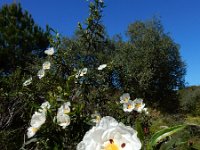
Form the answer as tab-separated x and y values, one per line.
179	17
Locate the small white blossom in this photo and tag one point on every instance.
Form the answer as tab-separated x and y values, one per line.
27	82
101	67
63	120
81	72
108	134
46	65
41	73
96	117
139	105
77	74
129	106
146	111
65	108
37	120
49	51
46	105
125	98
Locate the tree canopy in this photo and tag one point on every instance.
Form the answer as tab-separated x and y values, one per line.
19	36
152	61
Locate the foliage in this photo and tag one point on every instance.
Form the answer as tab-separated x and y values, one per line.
190	100
19	36
13	110
73	76
162	134
151	62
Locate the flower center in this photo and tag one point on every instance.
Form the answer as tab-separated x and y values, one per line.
126	99
66	111
34	129
98	118
129	106
111	146
138	105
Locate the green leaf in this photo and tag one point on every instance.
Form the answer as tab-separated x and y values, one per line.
139	130
160	135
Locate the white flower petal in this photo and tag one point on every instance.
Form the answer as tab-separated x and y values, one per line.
46	105
78	74
27	82
31	131
109	134
49	51
38	119
125	98
129	106
101	67
146	111
46	65
63	120
41	73
83	72
139	105
65	108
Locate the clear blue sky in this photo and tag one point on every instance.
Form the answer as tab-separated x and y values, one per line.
181	18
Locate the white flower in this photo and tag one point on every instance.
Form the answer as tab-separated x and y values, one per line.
46	65
129	106
81	72
63	120
96	117
101	67
125	98
145	111
46	105
38	119
139	105
32	131
100	1
77	75
41	73
65	108
108	134
49	51
27	82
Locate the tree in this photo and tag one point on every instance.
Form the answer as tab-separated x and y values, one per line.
152	62
19	36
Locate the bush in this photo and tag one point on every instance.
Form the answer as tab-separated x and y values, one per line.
190	100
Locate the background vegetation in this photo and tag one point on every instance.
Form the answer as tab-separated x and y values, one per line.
147	66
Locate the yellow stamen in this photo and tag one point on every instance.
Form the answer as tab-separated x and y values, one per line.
138	105
126	99
111	146
129	106
34	129
66	111
98	118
